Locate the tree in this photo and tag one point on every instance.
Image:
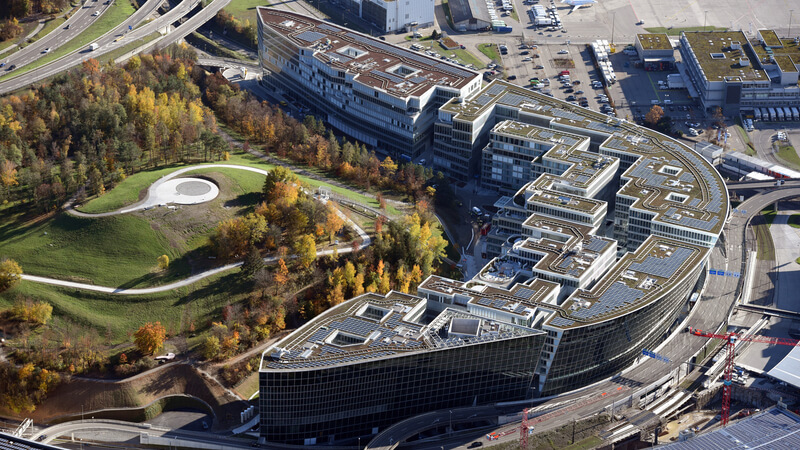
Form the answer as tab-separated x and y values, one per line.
150	337
211	347
333	223
163	262
389	167
27	310
281	275
306	250
252	262
654	115
10	274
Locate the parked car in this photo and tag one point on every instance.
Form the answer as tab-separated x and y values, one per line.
512	77
562	52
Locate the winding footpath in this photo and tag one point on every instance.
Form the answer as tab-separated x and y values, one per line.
151	200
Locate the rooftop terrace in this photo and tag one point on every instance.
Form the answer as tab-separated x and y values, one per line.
375	326
396	70
659	41
719	55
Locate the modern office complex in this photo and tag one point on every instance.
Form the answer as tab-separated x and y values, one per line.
600	242
397	15
729	71
655	51
383	95
376	360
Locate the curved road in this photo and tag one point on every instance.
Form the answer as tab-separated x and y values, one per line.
710	312
151	200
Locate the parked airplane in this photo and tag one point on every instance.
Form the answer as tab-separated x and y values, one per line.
578	3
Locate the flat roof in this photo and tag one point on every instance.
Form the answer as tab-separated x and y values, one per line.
788	369
655	41
376	326
771	429
718	59
635	281
707	198
466	10
398	71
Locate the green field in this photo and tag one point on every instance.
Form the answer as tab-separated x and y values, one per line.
789	155
106	251
245	9
463	56
491	52
130	46
678	31
124	314
127	192
115	15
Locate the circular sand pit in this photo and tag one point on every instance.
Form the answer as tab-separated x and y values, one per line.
186	191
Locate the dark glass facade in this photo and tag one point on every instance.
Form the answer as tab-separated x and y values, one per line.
594	352
341	403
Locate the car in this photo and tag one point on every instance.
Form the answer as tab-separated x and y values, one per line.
525	53
527	59
13	66
492	436
383	38
512	77
41	438
570	98
47	50
562	52
118	39
422	162
539	67
68	26
205	425
568	91
2	65
96	13
475	444
579	92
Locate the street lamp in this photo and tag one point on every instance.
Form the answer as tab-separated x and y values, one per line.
791	11
613	21
705	15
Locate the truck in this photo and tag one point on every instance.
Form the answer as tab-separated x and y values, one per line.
94	47
787	113
795	113
779	113
773	116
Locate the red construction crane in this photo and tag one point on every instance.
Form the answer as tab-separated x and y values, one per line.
730	340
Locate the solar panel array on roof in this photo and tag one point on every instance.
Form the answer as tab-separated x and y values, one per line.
394	79
686	177
325	26
496	89
519	309
359	327
515	99
616	296
398	52
596	244
498	304
569	115
592	125
574	159
562	322
310	36
617	144
319	335
694	202
663	267
566	262
418	80
772	429
485	301
546	134
569	141
525	293
483	100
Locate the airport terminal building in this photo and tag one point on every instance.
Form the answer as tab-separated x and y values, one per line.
381	94
730	71
598	244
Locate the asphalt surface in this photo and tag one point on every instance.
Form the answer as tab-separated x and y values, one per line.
709	313
77	24
121	36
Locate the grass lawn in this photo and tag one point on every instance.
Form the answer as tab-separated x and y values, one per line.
124	314
245	9
106	251
514	15
761	223
794	221
421	39
115	15
27	27
585	444
127	192
491	51
788	154
677	31
130	46
463	56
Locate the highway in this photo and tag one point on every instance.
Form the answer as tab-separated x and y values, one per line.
107	43
77	24
710	312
